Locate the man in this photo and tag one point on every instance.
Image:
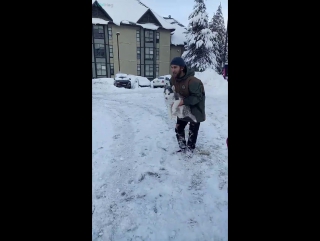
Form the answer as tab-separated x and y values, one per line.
192	91
225	71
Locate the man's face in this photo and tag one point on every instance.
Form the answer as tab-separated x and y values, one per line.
176	70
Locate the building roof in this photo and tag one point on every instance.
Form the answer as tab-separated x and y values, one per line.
99	21
178	36
115	9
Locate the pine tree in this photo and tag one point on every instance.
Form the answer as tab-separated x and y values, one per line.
226	60
199	48
217	26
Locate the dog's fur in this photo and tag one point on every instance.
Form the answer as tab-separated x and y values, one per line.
172	100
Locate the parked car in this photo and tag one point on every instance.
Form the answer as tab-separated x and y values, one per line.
143	82
167	78
122	80
161	81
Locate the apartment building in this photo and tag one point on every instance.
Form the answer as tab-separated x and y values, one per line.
136	41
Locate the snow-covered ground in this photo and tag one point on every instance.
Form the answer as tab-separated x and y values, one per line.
140	190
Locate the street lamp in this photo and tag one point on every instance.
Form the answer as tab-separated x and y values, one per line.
118	50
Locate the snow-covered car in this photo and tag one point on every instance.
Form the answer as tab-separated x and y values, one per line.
161	81
139	81
143	82
122	80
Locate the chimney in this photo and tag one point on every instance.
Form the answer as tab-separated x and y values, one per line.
169	16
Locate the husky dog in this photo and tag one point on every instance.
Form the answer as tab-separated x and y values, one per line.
172	100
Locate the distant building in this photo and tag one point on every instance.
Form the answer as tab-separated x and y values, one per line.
147	41
178	39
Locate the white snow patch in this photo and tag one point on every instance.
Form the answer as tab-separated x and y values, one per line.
116	10
178	37
99	21
128	10
125	22
215	84
140	190
162	21
148	26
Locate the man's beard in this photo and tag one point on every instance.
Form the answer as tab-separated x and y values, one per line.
178	75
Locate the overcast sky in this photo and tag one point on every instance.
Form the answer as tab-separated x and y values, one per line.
181	9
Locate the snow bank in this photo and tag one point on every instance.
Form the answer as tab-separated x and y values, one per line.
105	85
214	83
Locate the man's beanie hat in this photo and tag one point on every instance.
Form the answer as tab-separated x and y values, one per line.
178	61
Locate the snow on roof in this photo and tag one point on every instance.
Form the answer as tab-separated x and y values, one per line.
148	26
129	11
99	21
163	22
178	37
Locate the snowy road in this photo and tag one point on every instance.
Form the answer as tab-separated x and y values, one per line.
140	191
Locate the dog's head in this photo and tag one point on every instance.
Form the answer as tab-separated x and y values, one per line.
168	92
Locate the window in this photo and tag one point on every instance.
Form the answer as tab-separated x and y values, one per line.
111	51
111	69
138	53
158	37
157	70
149	70
99	50
101	69
148	36
110	33
138	36
138	70
149	54
157	53
98	32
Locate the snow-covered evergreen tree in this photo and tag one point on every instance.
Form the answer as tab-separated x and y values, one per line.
217	26
199	52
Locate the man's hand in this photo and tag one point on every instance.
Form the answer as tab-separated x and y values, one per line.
181	102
